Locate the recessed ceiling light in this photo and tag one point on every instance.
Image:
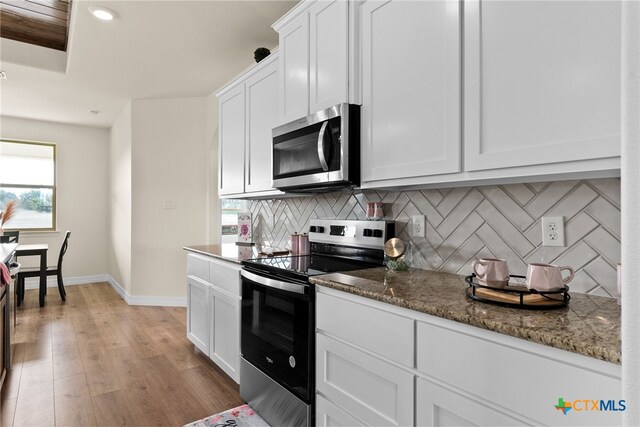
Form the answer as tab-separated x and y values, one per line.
103	13
3	74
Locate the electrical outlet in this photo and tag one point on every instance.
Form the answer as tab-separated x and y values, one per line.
552	231
169	204
419	229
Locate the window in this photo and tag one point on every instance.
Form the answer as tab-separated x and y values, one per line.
28	175
229	220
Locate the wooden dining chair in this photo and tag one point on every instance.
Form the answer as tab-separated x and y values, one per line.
51	271
10	237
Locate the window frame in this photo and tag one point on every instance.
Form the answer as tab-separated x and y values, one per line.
53	188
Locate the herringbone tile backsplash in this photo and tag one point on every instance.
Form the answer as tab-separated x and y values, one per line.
467	223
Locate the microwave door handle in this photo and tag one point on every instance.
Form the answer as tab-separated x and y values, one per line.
323	159
271	283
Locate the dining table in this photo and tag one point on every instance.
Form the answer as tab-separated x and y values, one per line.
40	250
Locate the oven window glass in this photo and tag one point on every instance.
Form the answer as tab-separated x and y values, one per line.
272	321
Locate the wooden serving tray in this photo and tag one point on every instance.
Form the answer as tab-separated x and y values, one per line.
517	296
269	251
531	299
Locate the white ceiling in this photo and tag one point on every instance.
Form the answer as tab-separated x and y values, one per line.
155	49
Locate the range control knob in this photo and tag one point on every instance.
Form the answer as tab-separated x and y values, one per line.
319	229
367	232
313	229
377	233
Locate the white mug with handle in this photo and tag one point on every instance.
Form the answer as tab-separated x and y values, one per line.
547	277
492	272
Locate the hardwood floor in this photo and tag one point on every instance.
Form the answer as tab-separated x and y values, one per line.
96	361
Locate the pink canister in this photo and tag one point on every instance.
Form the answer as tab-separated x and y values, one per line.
304	246
294	243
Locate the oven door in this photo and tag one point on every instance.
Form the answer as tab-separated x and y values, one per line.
277	331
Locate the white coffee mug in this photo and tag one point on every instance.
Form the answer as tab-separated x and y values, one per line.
492	272
547	277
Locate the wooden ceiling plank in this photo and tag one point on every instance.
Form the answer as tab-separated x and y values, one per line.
15	25
9	11
54	4
36	8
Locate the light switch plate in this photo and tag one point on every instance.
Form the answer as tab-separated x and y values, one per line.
553	231
169	204
419	225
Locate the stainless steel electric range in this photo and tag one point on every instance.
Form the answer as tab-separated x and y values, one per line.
277	372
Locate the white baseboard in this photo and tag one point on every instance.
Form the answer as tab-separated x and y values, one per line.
146	300
52	282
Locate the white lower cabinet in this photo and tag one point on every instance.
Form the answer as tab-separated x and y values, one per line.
440	406
370	388
329	415
225	331
213	310
448	373
198	313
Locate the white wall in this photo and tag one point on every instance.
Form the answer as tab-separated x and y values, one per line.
119	240
214	231
82	184
169	163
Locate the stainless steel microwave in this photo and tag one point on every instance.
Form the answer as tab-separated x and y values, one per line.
320	152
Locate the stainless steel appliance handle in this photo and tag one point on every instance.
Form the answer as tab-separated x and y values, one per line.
265	281
323	160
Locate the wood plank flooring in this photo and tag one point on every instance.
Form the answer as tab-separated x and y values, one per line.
96	361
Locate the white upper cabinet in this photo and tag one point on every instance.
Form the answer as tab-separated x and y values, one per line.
231	141
262	116
294	69
328	54
314	57
247	112
410	88
542	82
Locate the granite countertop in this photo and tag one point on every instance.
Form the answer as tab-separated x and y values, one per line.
232	252
226	251
590	325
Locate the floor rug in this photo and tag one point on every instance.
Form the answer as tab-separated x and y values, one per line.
242	416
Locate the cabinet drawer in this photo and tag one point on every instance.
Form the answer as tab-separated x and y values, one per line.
329	415
371	389
386	334
225	276
439	406
517	378
198	266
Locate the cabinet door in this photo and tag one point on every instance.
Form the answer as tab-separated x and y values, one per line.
329	54
329	415
262	117
542	82
198	313
231	133
294	69
225	332
410	88
370	388
438	406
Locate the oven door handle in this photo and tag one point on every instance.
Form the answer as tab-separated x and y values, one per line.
271	283
323	159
